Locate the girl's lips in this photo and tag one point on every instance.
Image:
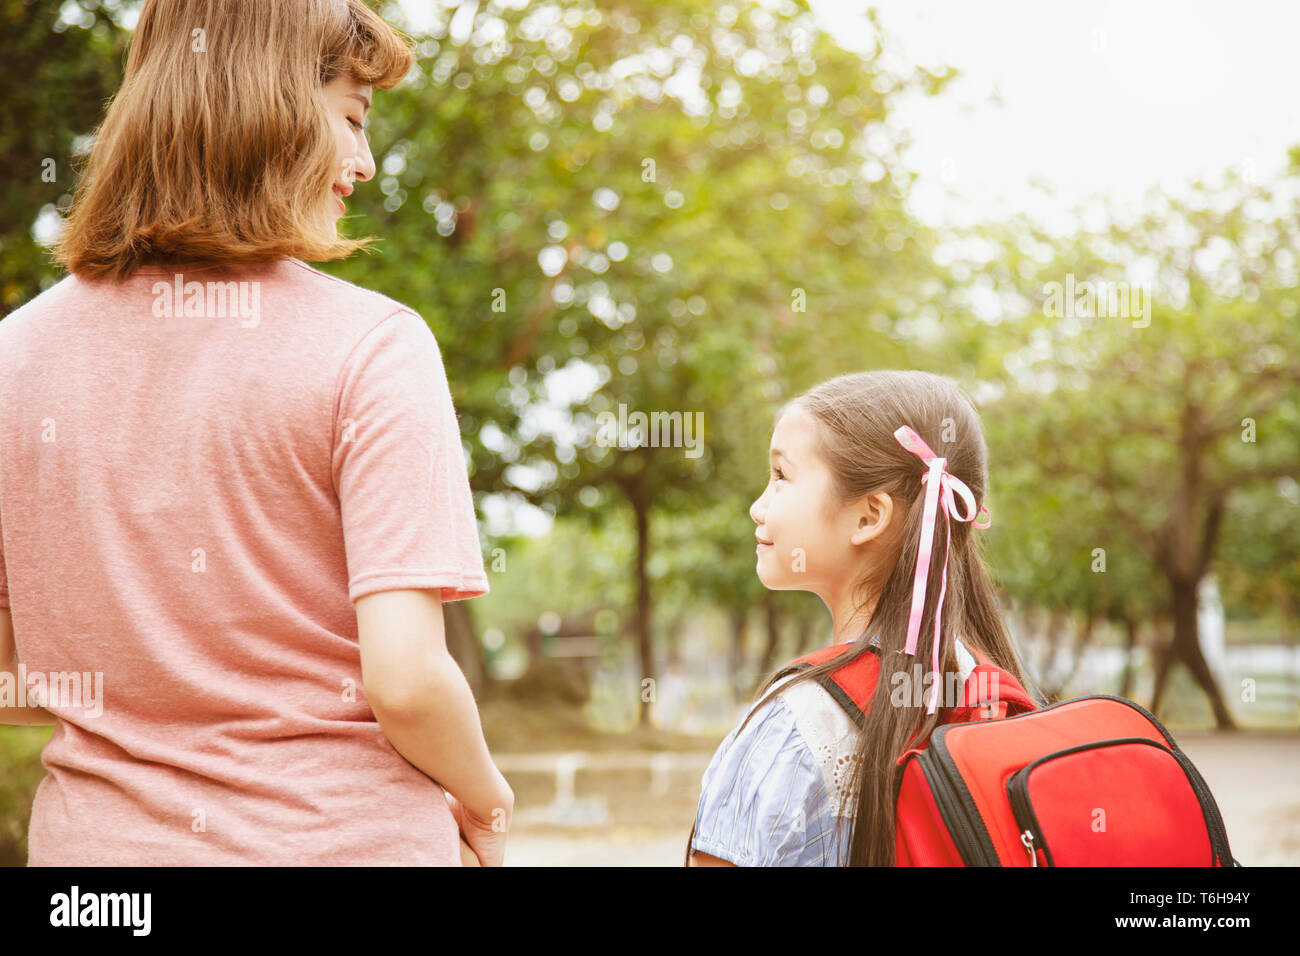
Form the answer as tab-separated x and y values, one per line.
338	199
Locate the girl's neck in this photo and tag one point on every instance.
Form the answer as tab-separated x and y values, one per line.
847	624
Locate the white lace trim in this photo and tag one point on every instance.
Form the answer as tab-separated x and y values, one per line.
832	736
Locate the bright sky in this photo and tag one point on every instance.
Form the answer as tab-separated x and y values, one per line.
1098	96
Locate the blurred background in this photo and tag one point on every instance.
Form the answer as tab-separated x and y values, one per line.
1085	215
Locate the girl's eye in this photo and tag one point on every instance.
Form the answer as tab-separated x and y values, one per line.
778	474
355	124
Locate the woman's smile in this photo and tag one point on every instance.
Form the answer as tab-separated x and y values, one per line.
338	197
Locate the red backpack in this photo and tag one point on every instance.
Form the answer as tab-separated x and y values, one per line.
1092	781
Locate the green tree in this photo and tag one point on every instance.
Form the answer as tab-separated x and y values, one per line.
1167	414
58	64
698	206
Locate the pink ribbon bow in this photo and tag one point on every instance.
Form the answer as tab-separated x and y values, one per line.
940	485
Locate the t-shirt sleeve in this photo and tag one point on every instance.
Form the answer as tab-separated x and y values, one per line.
763	801
399	468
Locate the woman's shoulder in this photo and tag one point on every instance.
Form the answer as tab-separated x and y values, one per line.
361	306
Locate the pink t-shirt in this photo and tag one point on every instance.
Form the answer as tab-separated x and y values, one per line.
189	505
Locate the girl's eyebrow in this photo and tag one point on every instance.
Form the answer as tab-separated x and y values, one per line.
778	453
364	101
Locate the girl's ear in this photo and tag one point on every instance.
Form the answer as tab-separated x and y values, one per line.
873	516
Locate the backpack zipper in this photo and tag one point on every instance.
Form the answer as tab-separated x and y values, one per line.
1023	811
1027	838
1218	832
962	820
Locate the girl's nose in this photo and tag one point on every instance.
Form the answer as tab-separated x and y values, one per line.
756	510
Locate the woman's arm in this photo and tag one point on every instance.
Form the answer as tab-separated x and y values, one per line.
10	713
423	703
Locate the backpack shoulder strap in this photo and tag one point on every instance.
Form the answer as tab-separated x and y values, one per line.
850	685
989	691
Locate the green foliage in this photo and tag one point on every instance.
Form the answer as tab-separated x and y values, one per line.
618	188
56	79
20	774
1122	431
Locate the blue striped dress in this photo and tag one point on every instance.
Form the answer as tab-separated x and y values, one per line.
763	800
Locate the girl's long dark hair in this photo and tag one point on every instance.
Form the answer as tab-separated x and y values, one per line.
856	417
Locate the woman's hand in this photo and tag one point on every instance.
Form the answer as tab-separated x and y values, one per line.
486	841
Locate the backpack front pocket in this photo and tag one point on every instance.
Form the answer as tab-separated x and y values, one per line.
1129	801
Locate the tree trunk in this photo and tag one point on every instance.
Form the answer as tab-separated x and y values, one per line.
772	618
1082	637
641	508
463	644
739	624
1164	666
806	633
1286	603
673	638
1184	550
1051	640
1186	647
1130	650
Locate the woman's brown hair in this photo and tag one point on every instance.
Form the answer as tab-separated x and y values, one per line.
217	147
856	418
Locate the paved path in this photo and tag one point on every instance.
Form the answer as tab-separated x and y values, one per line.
1256	782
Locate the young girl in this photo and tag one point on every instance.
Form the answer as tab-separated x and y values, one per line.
845	515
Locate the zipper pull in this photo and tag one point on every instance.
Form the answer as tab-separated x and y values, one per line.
1027	838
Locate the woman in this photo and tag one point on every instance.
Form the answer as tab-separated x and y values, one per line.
232	489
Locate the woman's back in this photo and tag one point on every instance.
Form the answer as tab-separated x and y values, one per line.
189	506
